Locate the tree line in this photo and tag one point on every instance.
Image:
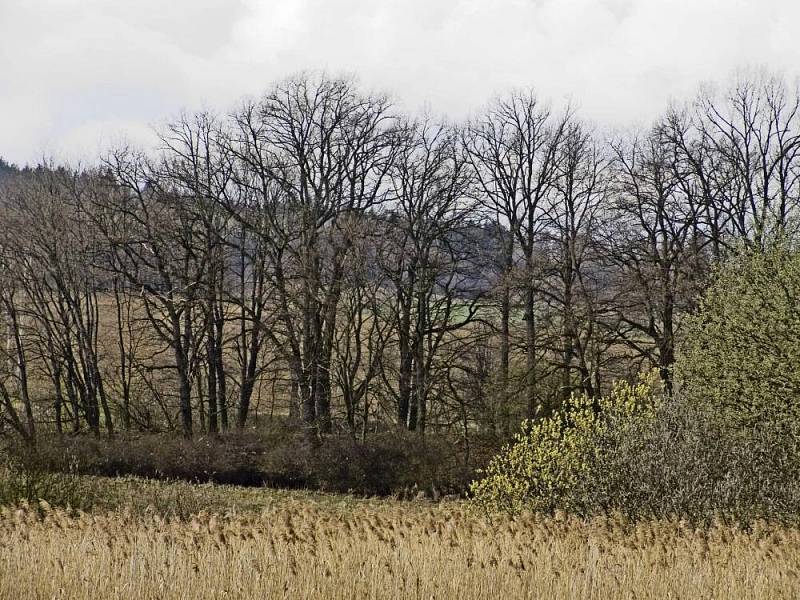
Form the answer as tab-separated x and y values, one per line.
318	255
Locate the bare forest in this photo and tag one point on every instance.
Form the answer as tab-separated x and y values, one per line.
317	257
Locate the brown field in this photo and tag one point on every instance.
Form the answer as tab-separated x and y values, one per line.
265	544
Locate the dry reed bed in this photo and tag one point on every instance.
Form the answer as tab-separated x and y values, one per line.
302	550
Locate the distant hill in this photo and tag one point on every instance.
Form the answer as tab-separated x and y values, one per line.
7	168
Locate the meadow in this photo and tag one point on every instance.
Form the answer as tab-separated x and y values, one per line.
153	540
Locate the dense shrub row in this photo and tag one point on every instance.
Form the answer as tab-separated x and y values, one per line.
401	463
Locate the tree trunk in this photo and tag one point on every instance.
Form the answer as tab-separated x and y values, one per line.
185	388
505	340
530	353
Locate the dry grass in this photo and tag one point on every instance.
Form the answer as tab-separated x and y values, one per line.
308	546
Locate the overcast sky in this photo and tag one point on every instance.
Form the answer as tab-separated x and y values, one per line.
77	75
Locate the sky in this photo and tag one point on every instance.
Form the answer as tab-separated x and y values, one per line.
78	76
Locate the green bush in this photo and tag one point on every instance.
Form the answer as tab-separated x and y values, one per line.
25	477
741	352
546	463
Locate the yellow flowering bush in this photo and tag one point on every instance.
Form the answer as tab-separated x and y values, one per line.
547	460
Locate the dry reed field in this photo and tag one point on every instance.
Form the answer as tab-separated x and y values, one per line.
297	546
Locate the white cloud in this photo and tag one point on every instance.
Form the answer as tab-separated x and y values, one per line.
74	69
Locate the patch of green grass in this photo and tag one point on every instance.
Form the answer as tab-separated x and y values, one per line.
181	499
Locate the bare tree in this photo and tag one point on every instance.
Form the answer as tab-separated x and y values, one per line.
427	258
317	154
653	242
752	135
514	149
155	244
574	209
